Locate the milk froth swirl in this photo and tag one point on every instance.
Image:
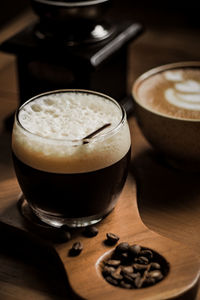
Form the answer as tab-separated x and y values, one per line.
184	93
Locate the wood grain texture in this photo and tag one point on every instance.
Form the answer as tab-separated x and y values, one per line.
168	201
83	271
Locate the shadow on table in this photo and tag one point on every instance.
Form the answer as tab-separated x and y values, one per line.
168	192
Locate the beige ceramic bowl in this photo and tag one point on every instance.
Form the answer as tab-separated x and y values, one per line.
177	139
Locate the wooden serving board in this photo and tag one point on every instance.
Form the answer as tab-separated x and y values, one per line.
153	181
83	271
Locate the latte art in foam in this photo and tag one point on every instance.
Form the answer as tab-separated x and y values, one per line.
173	92
184	93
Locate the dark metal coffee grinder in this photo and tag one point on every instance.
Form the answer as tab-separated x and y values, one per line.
72	45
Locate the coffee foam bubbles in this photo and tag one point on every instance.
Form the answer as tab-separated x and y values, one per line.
184	93
53	122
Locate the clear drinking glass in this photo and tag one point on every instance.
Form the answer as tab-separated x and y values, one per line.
71	151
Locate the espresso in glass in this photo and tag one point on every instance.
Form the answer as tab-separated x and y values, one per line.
71	151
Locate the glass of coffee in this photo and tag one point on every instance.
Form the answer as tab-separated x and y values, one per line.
71	151
167	102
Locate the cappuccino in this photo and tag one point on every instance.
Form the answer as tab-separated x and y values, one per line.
65	177
172	92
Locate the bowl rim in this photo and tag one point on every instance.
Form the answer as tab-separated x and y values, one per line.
160	69
70	4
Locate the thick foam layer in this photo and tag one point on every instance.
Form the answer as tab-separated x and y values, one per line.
55	126
173	92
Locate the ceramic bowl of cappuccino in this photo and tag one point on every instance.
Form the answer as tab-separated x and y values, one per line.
167	107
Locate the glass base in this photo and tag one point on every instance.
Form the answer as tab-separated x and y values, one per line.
42	219
70	222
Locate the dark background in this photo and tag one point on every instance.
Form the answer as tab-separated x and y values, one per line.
11	8
176	12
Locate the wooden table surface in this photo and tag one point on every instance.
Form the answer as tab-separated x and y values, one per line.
168	200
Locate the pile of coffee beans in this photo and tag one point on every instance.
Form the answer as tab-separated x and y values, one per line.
129	266
133	266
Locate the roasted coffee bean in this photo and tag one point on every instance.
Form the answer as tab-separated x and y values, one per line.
147	253
134	275
90	231
108	270
125	285
116	276
127	270
134	250
131	276
63	236
149	281
140	267
67	235
129	279
155	266
124	257
122	247
76	249
138	282
112	238
142	260
113	262
156	274
118	270
112	280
